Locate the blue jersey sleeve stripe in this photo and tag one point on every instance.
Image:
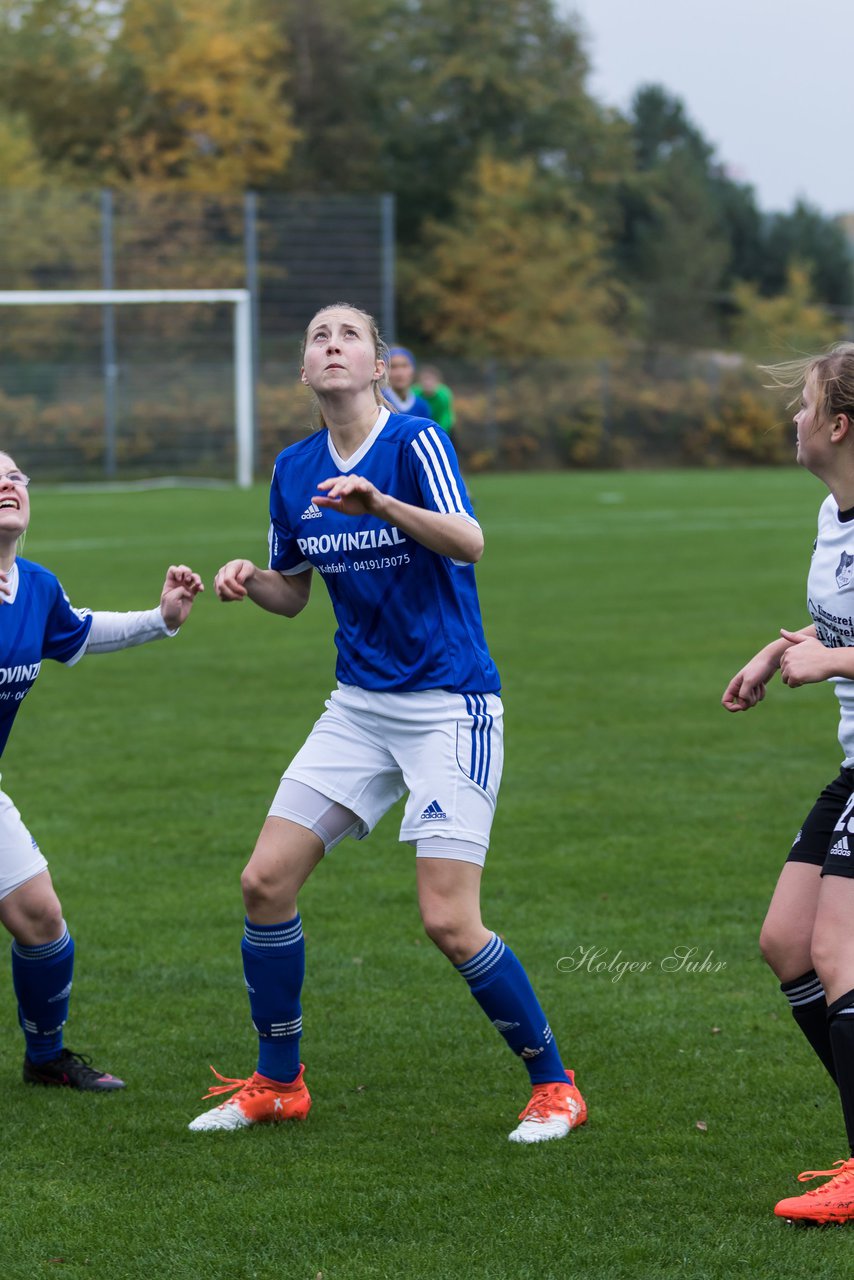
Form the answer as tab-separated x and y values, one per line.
438	457
449	470
440	506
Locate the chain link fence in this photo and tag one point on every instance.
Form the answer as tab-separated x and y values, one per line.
98	392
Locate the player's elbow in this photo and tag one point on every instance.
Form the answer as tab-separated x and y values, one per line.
476	547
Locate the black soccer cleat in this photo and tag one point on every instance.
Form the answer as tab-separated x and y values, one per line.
71	1071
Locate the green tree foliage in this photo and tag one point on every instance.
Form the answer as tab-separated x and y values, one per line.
807	237
331	89
690	233
673	247
203	111
406	97
151	92
519	271
445	103
785	326
54	74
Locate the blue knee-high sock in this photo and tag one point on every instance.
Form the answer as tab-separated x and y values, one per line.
42	980
274	968
501	987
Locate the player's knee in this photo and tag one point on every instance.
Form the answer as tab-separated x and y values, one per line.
773	946
261	891
825	958
450	933
39	921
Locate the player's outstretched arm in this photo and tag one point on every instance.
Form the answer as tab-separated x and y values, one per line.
271	590
447	535
112	631
747	687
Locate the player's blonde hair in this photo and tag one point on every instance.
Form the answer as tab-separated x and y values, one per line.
832	376
380	349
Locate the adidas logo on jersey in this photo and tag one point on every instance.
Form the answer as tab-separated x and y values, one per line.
433	812
840	849
311	513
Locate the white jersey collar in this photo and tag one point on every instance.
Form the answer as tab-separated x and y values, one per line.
14	579
355	458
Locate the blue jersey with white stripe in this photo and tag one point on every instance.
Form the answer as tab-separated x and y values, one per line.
407	617
36	622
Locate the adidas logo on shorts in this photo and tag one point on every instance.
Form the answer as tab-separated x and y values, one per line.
433	812
838	850
311	513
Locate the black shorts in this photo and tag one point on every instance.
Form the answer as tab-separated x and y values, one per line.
827	837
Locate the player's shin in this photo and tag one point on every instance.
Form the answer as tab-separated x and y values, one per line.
809	1009
42	979
840	1017
501	987
274	969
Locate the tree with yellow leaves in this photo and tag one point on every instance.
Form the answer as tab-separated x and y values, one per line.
203	107
520	271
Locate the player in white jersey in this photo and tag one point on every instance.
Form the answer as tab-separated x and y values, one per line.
374	502
808	934
38	622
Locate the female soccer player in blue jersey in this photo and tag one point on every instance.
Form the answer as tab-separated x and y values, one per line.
38	622
808	934
399	393
374	503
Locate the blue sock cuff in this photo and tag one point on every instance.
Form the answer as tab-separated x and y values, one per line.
486	959
46	951
274	937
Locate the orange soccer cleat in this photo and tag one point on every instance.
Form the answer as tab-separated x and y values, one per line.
554	1109
257	1101
833	1202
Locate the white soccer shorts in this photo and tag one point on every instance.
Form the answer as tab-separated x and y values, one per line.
445	749
20	856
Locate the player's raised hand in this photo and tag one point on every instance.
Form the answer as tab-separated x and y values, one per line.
354	495
180	589
231	581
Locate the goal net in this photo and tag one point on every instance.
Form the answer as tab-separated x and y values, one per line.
124	384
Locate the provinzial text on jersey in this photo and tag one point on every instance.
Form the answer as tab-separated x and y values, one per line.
11	675
361	540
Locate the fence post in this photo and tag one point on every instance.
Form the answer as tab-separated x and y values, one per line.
250	250
490	382
108	336
388	320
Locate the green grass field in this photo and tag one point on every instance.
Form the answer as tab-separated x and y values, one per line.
636	818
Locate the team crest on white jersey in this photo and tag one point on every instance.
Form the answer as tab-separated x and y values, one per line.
311	513
844	570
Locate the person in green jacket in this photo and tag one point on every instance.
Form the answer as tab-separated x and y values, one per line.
438	396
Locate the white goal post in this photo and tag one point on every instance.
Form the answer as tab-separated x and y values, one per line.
240	298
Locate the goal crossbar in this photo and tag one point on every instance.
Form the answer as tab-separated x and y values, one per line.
239	298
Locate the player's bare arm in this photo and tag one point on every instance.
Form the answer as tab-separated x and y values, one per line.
747	687
277	593
447	535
